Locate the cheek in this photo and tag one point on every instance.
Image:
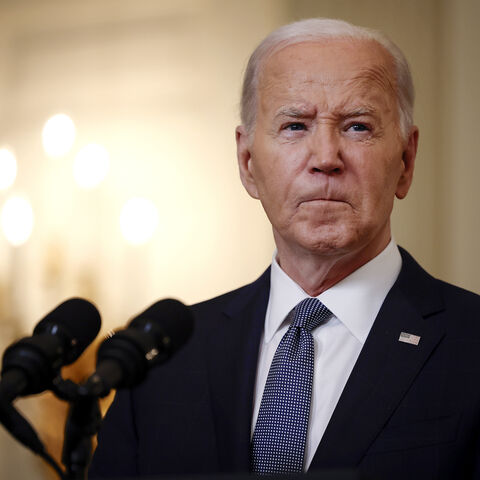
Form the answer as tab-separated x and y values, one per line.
273	190
375	185
274	173
381	168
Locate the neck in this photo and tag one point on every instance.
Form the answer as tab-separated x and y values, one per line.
315	272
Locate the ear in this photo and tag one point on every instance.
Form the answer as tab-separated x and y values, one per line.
244	158
408	159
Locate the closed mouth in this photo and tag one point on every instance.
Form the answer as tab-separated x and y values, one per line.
321	200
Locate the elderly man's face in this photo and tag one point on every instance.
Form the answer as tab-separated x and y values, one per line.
327	158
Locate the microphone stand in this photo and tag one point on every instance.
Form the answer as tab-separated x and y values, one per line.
83	422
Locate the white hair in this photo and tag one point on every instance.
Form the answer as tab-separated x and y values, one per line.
316	29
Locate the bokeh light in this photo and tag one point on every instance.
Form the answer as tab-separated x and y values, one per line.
8	168
138	220
91	165
17	220
58	135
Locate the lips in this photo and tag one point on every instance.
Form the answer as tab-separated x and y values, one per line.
321	200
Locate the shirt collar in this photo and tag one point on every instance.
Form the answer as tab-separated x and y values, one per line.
355	300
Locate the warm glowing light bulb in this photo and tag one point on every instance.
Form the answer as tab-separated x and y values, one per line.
17	220
58	135
8	168
138	220
91	165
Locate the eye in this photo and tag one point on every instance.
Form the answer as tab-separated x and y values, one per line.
359	127
296	126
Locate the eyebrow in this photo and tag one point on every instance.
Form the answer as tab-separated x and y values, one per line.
295	112
360	111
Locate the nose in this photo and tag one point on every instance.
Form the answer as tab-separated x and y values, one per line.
325	152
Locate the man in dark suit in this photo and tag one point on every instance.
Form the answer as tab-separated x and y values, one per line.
326	143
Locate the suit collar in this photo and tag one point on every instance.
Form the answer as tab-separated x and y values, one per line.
232	364
385	368
419	287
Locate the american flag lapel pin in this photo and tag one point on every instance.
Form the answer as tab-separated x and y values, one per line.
409	338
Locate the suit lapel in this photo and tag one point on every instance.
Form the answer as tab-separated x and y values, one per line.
385	368
232	365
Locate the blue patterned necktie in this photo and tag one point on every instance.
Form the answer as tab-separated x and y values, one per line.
278	443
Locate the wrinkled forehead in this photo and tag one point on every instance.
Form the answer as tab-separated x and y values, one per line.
360	67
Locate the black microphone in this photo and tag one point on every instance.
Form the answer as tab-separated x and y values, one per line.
149	339
30	364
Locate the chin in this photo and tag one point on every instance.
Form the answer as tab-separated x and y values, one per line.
327	245
325	240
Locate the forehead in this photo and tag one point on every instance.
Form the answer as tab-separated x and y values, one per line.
340	70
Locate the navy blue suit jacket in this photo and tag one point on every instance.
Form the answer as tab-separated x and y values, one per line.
407	412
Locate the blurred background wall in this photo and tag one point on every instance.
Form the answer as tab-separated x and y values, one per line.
154	85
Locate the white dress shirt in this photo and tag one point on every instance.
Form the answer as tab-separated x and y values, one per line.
354	302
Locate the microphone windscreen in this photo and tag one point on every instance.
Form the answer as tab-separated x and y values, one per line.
77	320
171	317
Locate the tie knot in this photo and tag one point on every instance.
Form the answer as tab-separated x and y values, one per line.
310	313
